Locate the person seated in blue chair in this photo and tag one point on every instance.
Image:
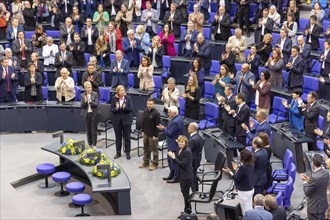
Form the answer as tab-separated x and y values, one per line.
132	48
295	118
119	69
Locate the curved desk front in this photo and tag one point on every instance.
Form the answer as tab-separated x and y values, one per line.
117	191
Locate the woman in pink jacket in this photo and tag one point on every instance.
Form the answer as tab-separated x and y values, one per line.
167	40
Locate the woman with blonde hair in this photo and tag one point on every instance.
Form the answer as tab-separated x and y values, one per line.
143	37
145	74
102	50
155	52
264	48
293	9
192	96
121	108
64	86
275	65
273	14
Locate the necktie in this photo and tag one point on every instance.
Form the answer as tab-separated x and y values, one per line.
63	58
309	108
23	53
66	6
8	81
77	26
240	85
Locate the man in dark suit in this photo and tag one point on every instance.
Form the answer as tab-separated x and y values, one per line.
89	35
278	212
221	25
132	48
29	13
241	115
93	77
315	188
12	31
39	65
227	4
265	26
172	132
22	49
242	81
263	126
88	7
8	82
188	39
66	31
311	111
243	11
63	58
164	8
260	164
66	8
325	59
174	19
78	48
204	9
285	45
305	53
119	70
295	68
312	33
258	212
325	134
202	50
196	144
226	121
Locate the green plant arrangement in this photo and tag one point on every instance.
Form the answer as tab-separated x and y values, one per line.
84	159
68	147
115	170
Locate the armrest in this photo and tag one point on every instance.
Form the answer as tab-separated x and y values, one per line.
278	114
209	119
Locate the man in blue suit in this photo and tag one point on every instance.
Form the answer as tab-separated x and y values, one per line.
119	70
12	31
188	39
8	82
260	164
88	7
305	53
242	80
132	48
172	132
263	126
285	45
195	143
202	50
258	212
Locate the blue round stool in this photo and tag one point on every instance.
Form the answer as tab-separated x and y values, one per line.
74	187
46	169
61	177
82	200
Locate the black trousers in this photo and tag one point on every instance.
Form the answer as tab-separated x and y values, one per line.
185	186
194	181
313	145
91	124
228	129
120	132
243	16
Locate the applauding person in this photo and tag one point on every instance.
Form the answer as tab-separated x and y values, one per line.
145	74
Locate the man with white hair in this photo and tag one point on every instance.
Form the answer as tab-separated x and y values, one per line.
132	49
188	39
49	51
258	212
119	69
202	50
305	52
195	143
12	59
29	16
172	132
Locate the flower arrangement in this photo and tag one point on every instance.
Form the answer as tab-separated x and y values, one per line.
115	170
68	147
84	159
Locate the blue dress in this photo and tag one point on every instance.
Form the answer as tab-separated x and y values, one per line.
295	118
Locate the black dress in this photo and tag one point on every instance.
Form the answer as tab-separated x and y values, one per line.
192	106
264	51
28	87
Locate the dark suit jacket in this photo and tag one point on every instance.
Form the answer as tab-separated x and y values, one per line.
260	164
205	9
96	83
18	53
158	56
61	6
243	116
132	53
177	20
193	39
79	55
246	87
195	144
296	74
40	69
306	53
183	160
316	191
311	117
326	62
243	8
119	78
268	29
314	36
28	85
94	104
225	116
204	54
123	115
264	127
84	37
108	6
264	52
64	33
89	8
10	31
279	213
172	132
230	62
224	26
254	65
12	82
68	63
286	50
57	20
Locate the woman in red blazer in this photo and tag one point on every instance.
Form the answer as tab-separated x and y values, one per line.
262	90
113	32
167	40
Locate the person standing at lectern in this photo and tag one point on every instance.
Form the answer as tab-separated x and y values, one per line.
90	109
122	107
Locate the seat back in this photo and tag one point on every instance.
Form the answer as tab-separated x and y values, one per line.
310	84
321	40
139	120
130	77
207	33
316	67
166	62
247	52
302	23
287	160
208	90
87	57
105	113
77	92
219	161
182	103
45	92
158	86
279	199
278	107
276	36
211	110
213	188
215	67
288	192
238	66
28	34
104	94
285	78
45	83
292	171
53	33
321	122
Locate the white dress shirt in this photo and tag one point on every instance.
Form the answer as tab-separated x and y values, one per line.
49	59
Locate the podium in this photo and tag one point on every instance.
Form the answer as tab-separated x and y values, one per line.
228	209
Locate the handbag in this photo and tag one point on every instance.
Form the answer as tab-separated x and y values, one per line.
186	216
33	90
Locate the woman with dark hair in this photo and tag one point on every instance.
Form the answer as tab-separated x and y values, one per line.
264	48
228	58
293	8
221	80
192	96
275	66
39	39
55	18
266	145
184	161
296	119
262	90
33	83
145	74
77	19
101	19
319	13
167	39
243	177
155	53
198	71
291	26
102	50
254	60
